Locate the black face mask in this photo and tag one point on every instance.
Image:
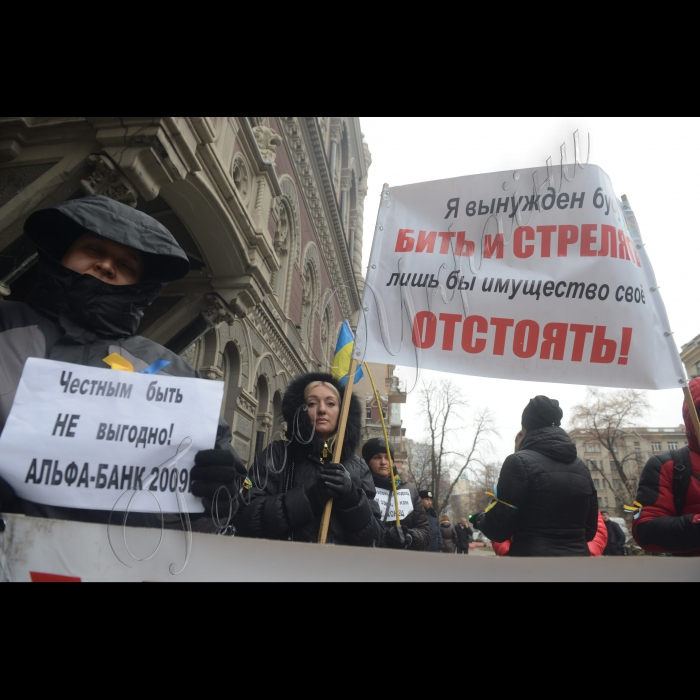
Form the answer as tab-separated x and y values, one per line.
88	309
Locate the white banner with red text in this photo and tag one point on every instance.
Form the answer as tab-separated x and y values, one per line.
517	275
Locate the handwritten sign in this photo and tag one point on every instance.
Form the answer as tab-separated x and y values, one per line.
81	437
386	500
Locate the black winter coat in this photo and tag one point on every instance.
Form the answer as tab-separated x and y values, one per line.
552	506
616	540
81	320
449	538
287	500
416	521
465	536
436	544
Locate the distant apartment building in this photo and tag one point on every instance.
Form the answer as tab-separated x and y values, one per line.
633	451
690	354
391	398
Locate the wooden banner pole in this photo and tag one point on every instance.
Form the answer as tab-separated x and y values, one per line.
339	444
686	390
386	439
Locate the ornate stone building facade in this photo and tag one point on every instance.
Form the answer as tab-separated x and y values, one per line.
690	355
269	210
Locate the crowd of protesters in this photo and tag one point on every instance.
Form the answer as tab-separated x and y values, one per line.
102	264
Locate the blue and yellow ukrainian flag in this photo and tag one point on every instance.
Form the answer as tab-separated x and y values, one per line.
343	356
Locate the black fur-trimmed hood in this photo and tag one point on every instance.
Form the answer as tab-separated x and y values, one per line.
299	419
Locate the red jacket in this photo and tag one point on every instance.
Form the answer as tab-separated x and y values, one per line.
597	547
659	529
600	542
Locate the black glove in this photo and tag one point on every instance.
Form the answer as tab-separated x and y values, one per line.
337	479
399	538
218	471
474	520
7	497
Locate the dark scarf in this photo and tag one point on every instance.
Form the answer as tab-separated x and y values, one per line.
382	483
88	309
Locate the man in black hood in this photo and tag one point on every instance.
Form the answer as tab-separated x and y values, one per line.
546	499
102	264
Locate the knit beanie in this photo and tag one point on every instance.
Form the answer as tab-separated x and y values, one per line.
375	447
542	412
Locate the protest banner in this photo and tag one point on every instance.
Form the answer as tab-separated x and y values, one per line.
58	551
86	438
517	275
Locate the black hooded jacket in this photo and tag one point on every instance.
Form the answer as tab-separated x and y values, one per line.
81	320
548	502
287	500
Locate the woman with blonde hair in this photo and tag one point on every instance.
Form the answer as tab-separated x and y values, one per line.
294	479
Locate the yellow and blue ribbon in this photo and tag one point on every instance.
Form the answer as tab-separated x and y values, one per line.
496	501
118	363
635	510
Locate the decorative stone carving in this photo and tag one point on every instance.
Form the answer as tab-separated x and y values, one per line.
268	141
241	176
266	421
246	404
216	312
190	354
214	374
108	180
283	230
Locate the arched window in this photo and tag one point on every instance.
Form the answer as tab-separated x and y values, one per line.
328	339
232	375
278	419
287	241
283	240
264	420
309	301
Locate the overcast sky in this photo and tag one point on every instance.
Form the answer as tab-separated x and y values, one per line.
653	160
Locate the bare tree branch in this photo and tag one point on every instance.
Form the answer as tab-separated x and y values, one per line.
441	461
609	419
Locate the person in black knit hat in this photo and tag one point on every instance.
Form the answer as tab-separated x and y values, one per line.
414	533
546	500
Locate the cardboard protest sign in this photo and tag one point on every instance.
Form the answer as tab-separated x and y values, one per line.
516	275
385	499
81	437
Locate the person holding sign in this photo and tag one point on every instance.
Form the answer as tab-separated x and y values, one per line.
102	264
415	530
545	500
667	520
293	480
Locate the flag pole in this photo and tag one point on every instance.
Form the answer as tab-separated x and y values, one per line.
388	449
686	389
343	424
339	444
